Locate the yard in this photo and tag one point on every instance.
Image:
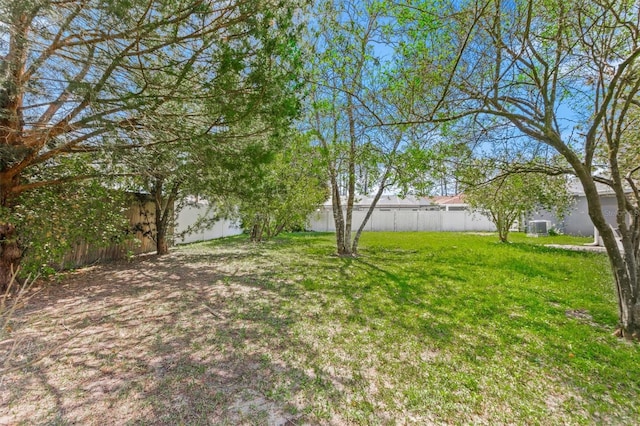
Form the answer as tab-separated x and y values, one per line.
422	328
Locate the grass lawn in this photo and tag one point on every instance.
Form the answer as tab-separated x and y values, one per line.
422	328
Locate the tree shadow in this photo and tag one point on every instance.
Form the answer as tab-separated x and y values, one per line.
160	342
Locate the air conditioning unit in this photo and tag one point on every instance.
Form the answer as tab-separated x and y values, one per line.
538	227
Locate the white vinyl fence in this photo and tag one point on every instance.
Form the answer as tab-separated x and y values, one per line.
190	214
451	219
408	220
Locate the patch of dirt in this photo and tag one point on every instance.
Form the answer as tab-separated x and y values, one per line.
580	314
583	316
178	339
587	248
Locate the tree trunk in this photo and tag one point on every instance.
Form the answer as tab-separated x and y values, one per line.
10	250
351	185
164	212
376	198
279	229
627	285
498	220
162	245
254	236
342	248
624	263
10	255
503	234
162	242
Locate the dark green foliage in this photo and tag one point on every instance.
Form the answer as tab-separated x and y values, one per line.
283	192
143	87
51	221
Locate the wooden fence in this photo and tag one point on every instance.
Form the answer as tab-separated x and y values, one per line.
141	216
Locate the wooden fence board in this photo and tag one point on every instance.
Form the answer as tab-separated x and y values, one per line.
141	216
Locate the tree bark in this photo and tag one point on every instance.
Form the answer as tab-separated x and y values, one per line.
338	217
624	263
162	245
10	250
351	183
164	213
256	233
376	198
10	255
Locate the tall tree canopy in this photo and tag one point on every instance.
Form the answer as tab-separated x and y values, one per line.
564	73
83	78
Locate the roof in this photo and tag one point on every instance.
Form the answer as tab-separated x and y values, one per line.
395	201
448	199
575	188
387	201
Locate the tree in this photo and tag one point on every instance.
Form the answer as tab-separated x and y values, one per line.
352	97
287	190
83	76
563	73
506	197
211	167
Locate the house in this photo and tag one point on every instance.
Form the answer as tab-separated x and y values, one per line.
577	221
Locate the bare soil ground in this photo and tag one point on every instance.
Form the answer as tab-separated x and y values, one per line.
152	341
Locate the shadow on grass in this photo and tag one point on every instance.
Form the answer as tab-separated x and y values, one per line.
227	338
158	342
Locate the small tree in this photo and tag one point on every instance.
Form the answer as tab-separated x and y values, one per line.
505	197
353	96
285	192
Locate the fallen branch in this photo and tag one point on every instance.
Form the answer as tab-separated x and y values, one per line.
214	313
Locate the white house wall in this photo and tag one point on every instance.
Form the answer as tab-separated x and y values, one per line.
577	221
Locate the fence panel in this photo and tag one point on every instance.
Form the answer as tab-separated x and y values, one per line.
140	212
429	220
190	214
382	220
408	220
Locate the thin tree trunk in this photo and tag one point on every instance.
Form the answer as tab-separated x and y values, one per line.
376	198
279	229
502	232
338	217
351	183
